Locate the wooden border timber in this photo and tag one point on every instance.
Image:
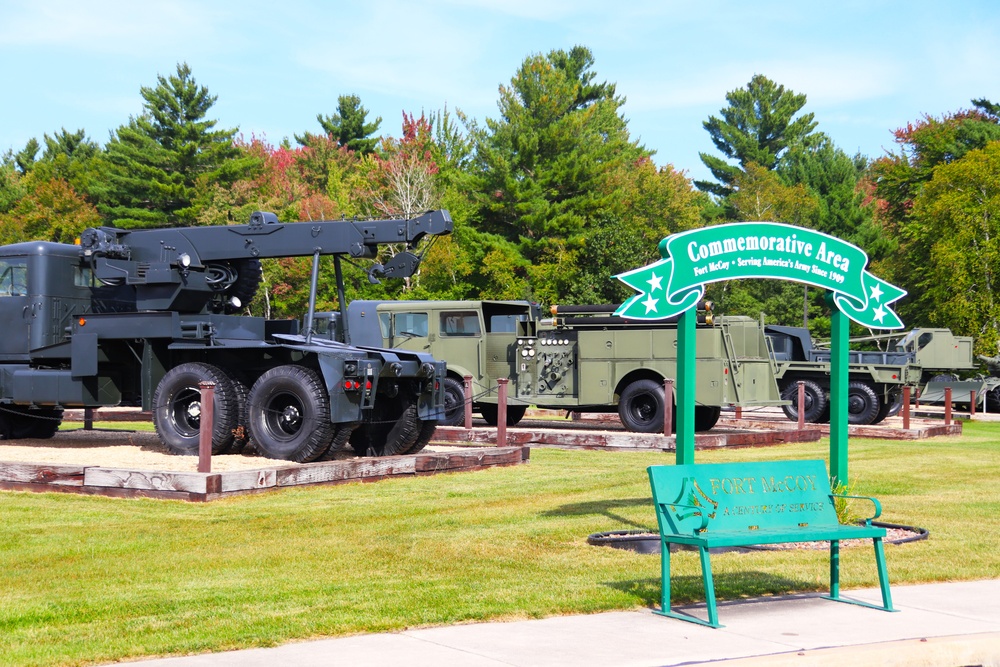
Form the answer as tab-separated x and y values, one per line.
579	438
201	487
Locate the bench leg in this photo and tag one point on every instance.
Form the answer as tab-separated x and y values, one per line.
883	574
665	576
706	572
835	570
883	577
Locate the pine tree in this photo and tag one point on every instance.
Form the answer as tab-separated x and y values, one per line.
348	126
161	157
757	127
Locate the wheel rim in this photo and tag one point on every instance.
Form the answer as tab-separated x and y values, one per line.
452	404
643	408
856	404
185	412
284	417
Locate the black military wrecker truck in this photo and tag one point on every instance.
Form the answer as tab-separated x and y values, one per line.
142	317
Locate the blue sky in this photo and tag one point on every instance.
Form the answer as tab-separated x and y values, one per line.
866	67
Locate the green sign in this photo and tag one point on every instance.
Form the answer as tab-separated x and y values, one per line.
758	250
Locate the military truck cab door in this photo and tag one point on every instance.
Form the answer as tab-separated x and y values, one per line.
16	310
461	335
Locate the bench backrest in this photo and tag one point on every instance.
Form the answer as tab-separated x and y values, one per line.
741	496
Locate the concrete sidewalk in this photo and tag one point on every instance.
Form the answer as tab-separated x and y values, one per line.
938	625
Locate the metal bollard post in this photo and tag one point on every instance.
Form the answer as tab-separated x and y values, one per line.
206	427
906	408
668	406
468	401
502	412
739	412
972	403
88	419
947	406
802	404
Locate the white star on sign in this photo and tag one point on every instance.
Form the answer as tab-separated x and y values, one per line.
879	314
650	304
876	292
654	283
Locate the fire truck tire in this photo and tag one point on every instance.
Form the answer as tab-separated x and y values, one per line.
815	399
177	408
641	407
863	404
706	416
289	414
491	413
454	403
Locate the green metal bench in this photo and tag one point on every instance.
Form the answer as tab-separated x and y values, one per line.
745	504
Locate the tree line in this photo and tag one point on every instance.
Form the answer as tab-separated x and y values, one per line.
550	198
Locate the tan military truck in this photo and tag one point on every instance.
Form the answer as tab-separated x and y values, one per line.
583	359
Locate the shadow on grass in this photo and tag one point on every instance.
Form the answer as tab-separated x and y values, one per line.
728	586
607	509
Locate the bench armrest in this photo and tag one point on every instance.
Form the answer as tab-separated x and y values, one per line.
695	511
875	502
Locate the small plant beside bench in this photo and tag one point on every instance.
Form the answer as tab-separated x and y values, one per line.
745	504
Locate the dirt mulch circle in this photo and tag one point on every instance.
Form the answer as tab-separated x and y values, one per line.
642	541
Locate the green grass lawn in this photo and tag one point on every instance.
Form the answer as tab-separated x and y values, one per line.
90	579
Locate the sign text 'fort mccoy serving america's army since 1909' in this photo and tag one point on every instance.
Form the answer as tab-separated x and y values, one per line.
695	258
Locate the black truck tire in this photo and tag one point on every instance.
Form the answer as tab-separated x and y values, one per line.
394	429
641	407
427	428
889	408
241	432
454	402
863	404
706	416
177	408
44	423
289	414
815	399
341	437
491	413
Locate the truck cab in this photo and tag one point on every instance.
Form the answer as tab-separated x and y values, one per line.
43	286
476	338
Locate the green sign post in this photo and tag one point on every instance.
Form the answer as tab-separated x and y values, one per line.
690	260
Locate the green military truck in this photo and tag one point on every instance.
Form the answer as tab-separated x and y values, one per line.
875	379
944	359
582	359
925	359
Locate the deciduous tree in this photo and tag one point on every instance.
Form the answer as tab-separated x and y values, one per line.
955	221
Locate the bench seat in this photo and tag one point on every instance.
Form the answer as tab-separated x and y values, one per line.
719	505
733	538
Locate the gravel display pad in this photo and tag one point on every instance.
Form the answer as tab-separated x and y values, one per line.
119	449
139	450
